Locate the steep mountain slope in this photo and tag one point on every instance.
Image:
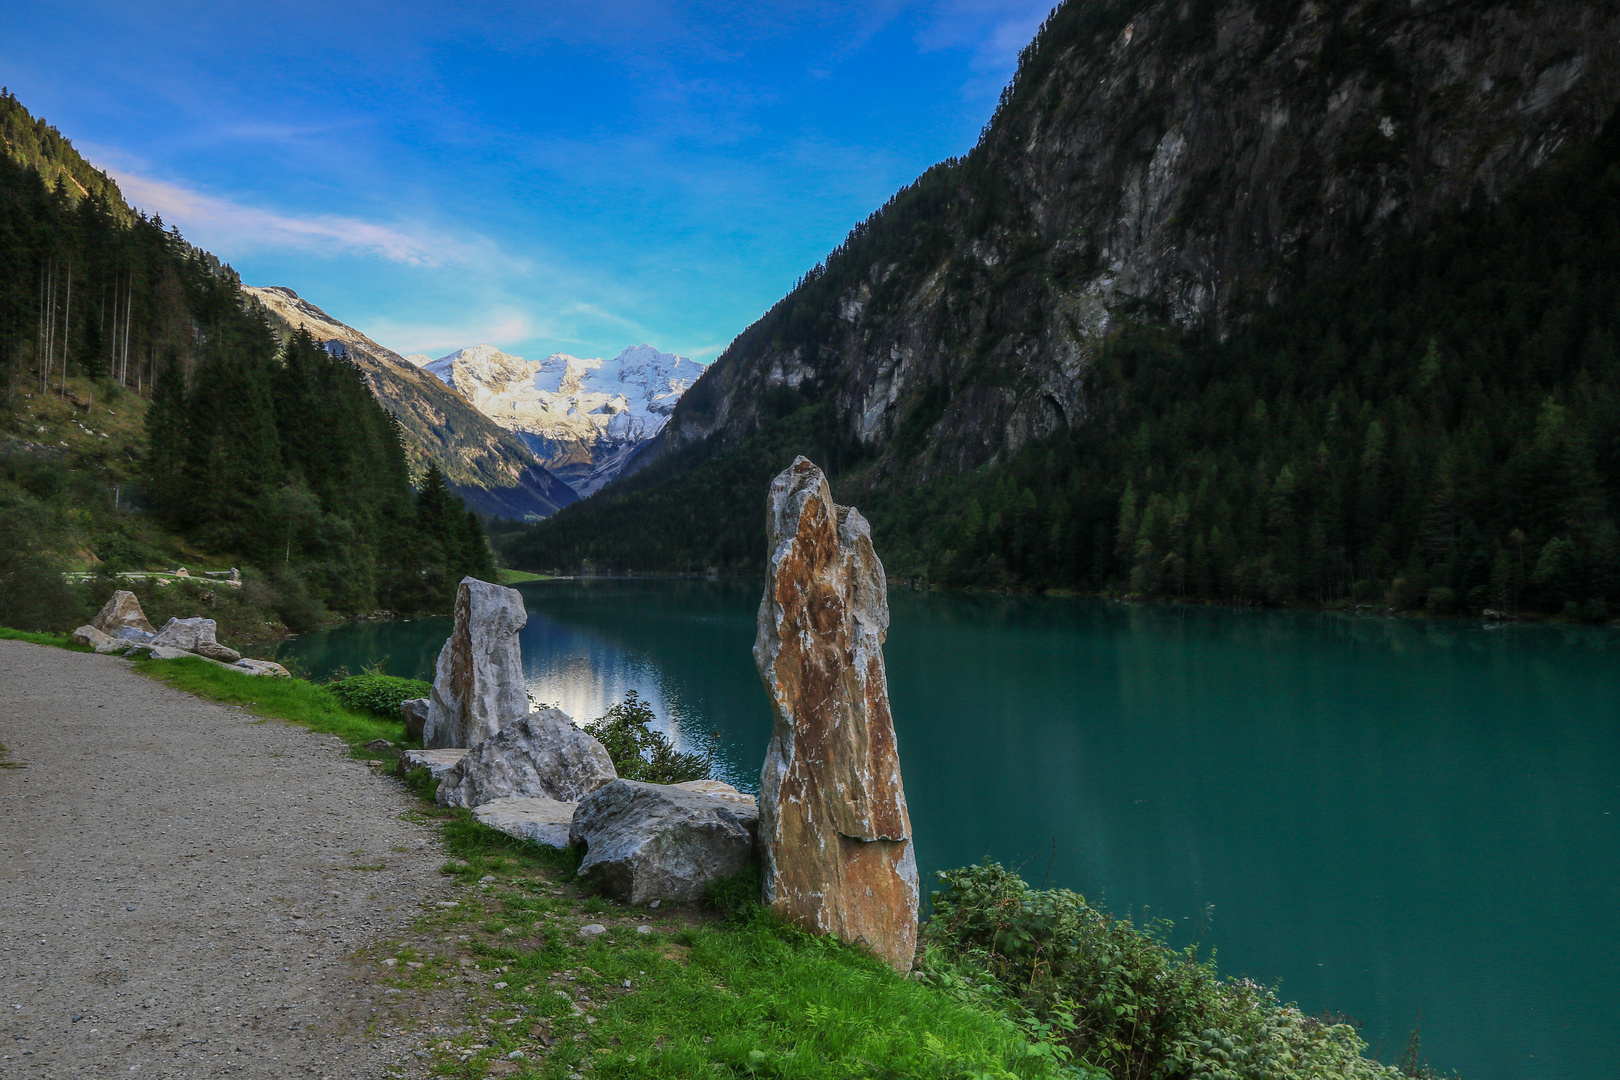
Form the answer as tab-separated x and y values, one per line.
490	469
1276	301
584	418
1176	160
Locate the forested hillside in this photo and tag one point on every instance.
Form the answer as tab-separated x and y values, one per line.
273	458
1434	426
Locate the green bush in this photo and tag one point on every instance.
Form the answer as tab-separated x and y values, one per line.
379	694
1116	995
639	752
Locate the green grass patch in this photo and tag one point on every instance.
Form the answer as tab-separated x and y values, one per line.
503	576
57	641
301	702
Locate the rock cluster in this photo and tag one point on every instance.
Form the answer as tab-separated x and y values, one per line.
833	827
121	626
478	679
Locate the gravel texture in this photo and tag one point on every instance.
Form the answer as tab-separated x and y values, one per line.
183	885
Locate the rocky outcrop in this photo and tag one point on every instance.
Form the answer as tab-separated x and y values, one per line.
834	832
1189	163
122	611
478	679
717	788
415	714
541	755
647	842
545	821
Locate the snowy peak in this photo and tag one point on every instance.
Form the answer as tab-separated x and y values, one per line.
584	415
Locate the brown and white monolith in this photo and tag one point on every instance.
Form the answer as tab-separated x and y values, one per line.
833	829
478	679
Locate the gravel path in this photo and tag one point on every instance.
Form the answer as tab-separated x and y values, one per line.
182	883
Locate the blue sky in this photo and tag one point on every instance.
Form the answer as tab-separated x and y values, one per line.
544	177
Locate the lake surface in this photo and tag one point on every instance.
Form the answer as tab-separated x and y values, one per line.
1381	816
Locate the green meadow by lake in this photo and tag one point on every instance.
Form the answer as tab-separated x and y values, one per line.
1382	816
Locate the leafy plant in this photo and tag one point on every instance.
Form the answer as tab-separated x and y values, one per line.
380	694
641	753
1115	995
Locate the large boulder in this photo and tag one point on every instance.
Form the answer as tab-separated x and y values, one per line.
544	821
194	635
122	611
542	756
658	842
415	714
478	680
834	833
102	643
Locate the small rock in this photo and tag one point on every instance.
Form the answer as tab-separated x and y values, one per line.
500	986
415	712
379	745
644	929
516	1055
262	667
592	930
437	762
391	961
102	643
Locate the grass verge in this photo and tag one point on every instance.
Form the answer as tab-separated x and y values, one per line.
695	994
58	641
503	576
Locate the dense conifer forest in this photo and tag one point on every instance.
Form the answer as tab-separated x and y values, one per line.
265	453
1435	425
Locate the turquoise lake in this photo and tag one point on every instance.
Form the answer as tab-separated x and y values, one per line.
1378	816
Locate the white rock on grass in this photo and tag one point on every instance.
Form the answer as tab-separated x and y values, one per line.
261	667
478	685
437	762
542	755
102	643
545	821
194	635
658	842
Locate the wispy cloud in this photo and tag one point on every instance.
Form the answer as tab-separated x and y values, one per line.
224	224
993	30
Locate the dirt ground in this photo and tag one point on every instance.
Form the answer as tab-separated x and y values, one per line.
183	885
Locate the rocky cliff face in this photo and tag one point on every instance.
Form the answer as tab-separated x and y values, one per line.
583	418
1179	161
488	467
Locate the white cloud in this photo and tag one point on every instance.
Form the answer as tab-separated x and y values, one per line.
228	227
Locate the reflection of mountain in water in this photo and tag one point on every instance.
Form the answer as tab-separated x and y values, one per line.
587	645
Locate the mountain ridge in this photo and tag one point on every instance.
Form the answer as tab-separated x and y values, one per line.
489	469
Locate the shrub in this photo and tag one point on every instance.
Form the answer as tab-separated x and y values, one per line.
639	752
380	694
1117	996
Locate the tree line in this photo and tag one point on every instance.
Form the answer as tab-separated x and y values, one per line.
269	452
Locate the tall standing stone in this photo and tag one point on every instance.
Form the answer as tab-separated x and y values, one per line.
122	611
478	679
833	826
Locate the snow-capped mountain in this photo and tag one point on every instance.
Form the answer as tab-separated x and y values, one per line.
583	418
